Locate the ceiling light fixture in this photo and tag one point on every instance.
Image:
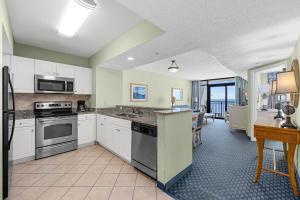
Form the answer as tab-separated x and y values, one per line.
76	13
174	67
130	58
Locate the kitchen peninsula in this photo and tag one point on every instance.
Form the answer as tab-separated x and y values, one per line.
173	142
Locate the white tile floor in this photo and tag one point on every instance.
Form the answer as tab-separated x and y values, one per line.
90	173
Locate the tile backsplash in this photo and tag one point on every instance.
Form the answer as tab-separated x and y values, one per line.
26	101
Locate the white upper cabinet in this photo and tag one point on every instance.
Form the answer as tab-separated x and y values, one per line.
45	68
22	74
64	70
6	60
83	80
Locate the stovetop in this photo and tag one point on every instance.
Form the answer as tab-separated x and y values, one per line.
51	114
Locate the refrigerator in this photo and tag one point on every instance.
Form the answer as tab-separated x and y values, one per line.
8	125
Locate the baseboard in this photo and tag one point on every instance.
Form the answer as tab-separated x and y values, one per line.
171	182
86	144
22	160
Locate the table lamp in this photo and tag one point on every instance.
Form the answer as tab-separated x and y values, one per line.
277	104
286	84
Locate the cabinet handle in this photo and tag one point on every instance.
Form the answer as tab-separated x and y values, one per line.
32	130
117	129
101	124
78	124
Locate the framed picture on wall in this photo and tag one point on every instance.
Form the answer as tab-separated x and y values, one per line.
138	92
177	93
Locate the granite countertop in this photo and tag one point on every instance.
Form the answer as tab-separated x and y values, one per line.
24	114
145	118
173	111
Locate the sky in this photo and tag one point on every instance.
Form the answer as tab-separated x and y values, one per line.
218	93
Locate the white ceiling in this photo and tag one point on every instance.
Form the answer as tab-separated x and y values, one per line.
205	34
193	65
35	22
241	34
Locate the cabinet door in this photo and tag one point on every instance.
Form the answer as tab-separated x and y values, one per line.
22	73
83	80
23	143
6	60
86	131
125	143
112	137
82	132
100	132
64	70
43	67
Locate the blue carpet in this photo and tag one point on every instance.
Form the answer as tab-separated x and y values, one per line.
224	167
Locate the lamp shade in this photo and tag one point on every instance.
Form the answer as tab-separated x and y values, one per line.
273	88
286	83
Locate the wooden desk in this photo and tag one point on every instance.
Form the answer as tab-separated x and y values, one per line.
270	130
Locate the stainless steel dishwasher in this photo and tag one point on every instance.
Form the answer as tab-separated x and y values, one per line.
144	148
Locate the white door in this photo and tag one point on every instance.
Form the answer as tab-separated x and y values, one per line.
101	131
116	139
82	132
6	60
43	67
23	142
83	80
86	131
125	143
64	70
22	74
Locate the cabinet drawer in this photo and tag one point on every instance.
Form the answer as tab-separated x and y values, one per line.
117	121
86	116
25	123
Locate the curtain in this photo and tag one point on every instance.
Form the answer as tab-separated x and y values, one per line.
195	94
199	95
241	86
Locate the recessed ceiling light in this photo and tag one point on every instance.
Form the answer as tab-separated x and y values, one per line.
76	13
130	58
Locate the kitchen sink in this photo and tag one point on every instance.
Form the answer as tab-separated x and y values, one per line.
127	115
122	114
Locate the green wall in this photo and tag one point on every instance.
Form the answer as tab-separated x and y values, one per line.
141	33
4	28
159	88
174	144
112	87
108	88
53	56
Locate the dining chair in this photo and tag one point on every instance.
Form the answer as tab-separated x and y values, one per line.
197	130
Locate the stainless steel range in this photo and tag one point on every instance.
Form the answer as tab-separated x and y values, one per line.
55	128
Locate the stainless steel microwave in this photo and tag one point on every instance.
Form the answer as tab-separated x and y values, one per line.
53	84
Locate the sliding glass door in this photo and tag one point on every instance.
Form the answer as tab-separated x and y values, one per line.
219	98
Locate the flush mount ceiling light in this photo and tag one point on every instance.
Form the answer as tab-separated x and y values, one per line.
76	13
130	58
174	67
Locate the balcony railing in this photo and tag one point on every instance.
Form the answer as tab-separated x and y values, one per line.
218	107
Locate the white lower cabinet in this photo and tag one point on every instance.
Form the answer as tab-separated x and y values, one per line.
86	128
23	142
115	135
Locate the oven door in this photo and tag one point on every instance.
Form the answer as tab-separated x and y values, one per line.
55	130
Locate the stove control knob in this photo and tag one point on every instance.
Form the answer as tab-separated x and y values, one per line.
38	105
42	105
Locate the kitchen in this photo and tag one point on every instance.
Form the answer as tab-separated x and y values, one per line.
52	117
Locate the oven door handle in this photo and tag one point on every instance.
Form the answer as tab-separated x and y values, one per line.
56	120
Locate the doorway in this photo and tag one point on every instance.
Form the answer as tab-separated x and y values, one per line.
219	98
